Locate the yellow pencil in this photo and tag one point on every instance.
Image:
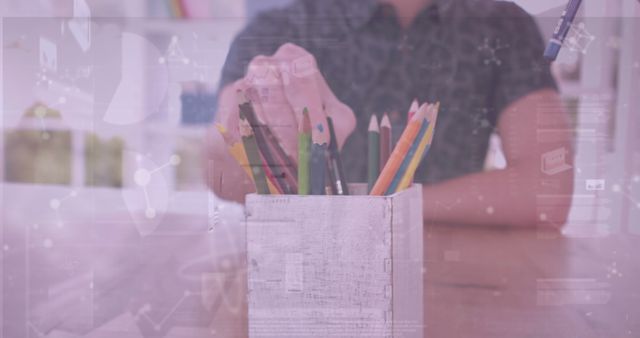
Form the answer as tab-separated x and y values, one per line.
236	149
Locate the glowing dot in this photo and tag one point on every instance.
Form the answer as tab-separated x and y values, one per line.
638	205
616	187
142	177
60	224
187	293
161	60
175	160
156	327
490	210
47	243
91	285
73	193
636	178
54	204
41	111
150	213
543	217
6	247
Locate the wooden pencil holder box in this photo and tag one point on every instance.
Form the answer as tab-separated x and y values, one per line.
335	266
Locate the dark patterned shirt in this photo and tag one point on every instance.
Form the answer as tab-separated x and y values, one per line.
474	56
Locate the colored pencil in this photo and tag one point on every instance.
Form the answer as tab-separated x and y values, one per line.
253	156
412	110
423	148
385	140
373	168
304	148
276	166
272	182
236	149
398	154
400	173
289	165
338	178
318	158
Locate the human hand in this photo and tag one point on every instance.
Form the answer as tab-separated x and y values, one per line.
280	87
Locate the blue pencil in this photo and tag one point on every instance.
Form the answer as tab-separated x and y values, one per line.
318	161
407	159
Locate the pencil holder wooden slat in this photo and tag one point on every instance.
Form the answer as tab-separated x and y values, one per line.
335	266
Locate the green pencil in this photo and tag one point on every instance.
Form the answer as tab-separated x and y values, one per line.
374	152
304	148
253	155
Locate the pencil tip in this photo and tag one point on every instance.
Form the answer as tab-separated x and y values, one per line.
414	106
319	137
385	121
373	123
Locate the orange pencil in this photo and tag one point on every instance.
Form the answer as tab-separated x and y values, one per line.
398	154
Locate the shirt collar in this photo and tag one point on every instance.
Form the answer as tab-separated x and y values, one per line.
360	12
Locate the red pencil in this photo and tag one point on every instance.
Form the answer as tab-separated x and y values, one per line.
385	140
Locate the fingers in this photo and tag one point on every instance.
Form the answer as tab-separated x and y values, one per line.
299	72
305	86
269	101
280	87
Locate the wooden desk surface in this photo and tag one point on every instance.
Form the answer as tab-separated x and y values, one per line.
482	282
186	281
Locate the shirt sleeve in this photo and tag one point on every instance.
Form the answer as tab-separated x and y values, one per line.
522	68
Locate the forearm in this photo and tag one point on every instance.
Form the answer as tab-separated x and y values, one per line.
501	197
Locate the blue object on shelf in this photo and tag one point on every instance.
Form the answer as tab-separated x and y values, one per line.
198	107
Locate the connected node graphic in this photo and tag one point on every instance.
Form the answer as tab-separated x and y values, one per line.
490	50
142	178
56	203
579	39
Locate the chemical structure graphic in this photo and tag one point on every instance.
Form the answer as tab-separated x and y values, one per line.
579	38
613	271
56	203
490	50
481	121
40	113
174	53
142	178
145	310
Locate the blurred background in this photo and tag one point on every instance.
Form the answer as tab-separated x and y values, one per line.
92	87
105	104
